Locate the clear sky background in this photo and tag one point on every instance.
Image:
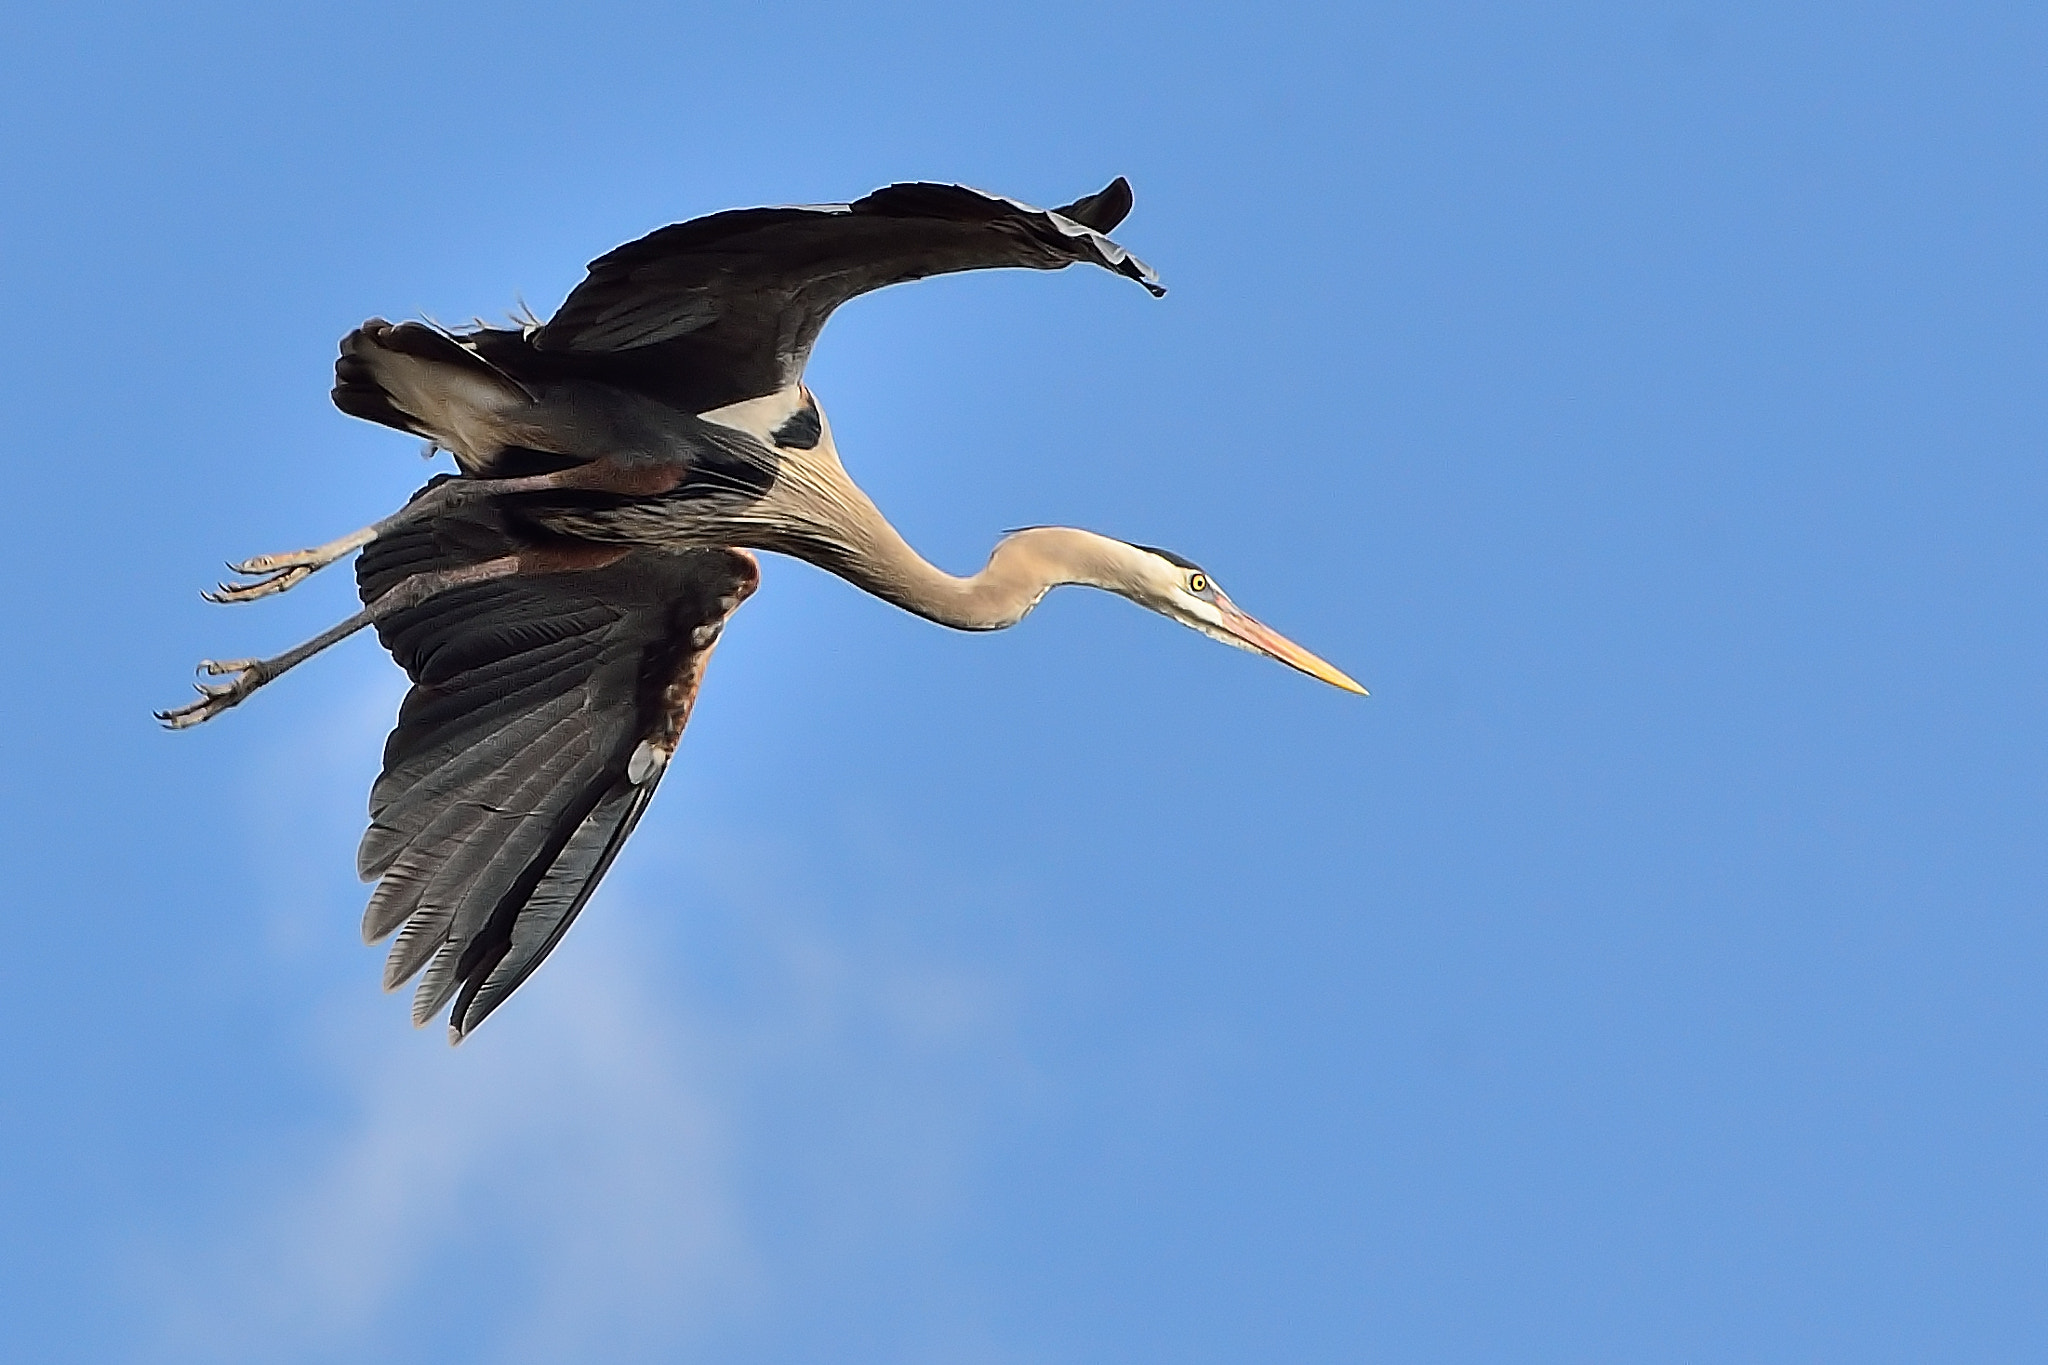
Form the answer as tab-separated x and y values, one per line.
1645	401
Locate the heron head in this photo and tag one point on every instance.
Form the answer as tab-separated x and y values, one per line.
1183	590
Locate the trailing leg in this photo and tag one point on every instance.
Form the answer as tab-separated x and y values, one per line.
246	675
276	573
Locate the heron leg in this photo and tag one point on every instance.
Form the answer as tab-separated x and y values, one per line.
246	675
276	573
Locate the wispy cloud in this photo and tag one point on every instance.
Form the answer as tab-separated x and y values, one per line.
574	1169
643	1156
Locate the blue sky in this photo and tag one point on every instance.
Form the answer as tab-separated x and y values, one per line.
1643	400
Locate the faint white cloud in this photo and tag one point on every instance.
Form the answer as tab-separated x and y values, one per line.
643	1156
569	1176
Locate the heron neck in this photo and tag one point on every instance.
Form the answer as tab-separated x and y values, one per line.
818	514
1023	567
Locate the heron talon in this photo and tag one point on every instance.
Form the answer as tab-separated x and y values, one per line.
273	582
215	698
275	573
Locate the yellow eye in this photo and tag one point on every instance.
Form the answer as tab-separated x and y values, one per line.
1197	583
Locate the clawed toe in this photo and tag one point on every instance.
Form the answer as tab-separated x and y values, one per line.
273	580
215	698
275	573
263	564
191	713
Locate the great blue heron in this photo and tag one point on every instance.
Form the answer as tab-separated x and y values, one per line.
555	603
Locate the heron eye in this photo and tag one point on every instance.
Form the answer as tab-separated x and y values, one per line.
1198	583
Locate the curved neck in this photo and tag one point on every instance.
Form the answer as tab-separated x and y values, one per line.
821	516
1023	567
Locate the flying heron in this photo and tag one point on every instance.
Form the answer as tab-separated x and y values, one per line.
555	603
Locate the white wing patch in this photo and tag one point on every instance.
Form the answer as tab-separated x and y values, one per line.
646	762
761	417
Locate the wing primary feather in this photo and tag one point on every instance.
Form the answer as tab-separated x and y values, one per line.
506	792
452	846
1102	210
556	901
437	985
487	850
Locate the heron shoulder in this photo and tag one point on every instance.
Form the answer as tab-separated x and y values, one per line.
788	418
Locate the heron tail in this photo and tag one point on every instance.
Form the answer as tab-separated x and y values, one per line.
419	379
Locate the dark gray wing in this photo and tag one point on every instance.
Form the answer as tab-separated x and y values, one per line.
739	297
543	711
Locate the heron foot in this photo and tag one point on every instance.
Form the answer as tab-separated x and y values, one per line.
214	698
273	574
276	573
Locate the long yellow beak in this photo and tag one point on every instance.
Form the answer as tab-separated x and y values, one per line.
1277	646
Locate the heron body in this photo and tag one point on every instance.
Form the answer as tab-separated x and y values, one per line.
555	604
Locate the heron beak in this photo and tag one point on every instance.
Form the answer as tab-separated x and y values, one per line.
1274	645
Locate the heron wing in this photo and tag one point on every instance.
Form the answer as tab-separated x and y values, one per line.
726	307
542	712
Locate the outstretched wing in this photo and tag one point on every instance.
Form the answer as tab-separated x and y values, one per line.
726	307
543	711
